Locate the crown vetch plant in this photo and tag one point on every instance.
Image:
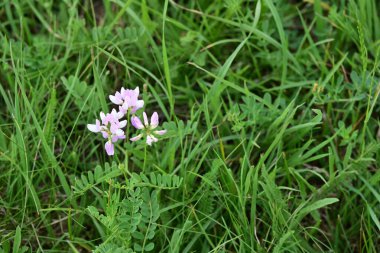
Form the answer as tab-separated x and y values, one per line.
132	211
111	127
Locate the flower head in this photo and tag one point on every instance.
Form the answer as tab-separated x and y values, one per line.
110	127
127	100
147	127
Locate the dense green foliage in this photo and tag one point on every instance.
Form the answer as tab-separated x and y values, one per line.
271	108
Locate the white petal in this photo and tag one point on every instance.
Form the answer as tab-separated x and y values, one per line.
93	128
139	104
120	115
113	112
102	115
137	91
119	132
116	115
115	100
123	123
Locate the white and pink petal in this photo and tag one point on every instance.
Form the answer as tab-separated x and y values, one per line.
139	104
150	139
105	134
136	122
154	120
146	122
109	148
136	138
160	132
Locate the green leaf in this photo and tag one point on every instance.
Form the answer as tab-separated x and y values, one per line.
17	240
373	217
317	205
149	246
137	247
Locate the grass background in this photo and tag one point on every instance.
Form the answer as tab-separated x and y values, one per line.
272	110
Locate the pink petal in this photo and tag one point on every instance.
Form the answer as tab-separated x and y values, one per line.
154	138
105	134
154	120
160	132
122	110
136	138
146	122
118	95
149	140
115	100
132	100
139	104
109	148
127	94
125	105
136	122
114	128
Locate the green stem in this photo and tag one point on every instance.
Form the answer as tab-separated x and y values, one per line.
126	151
144	159
129	123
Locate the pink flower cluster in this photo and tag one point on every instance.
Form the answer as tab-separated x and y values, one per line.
110	125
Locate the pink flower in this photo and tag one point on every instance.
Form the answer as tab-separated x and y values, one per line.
147	128
110	127
127	100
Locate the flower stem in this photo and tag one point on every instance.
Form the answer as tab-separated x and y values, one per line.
126	151
144	159
128	115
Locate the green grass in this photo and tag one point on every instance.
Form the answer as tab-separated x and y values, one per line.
272	111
